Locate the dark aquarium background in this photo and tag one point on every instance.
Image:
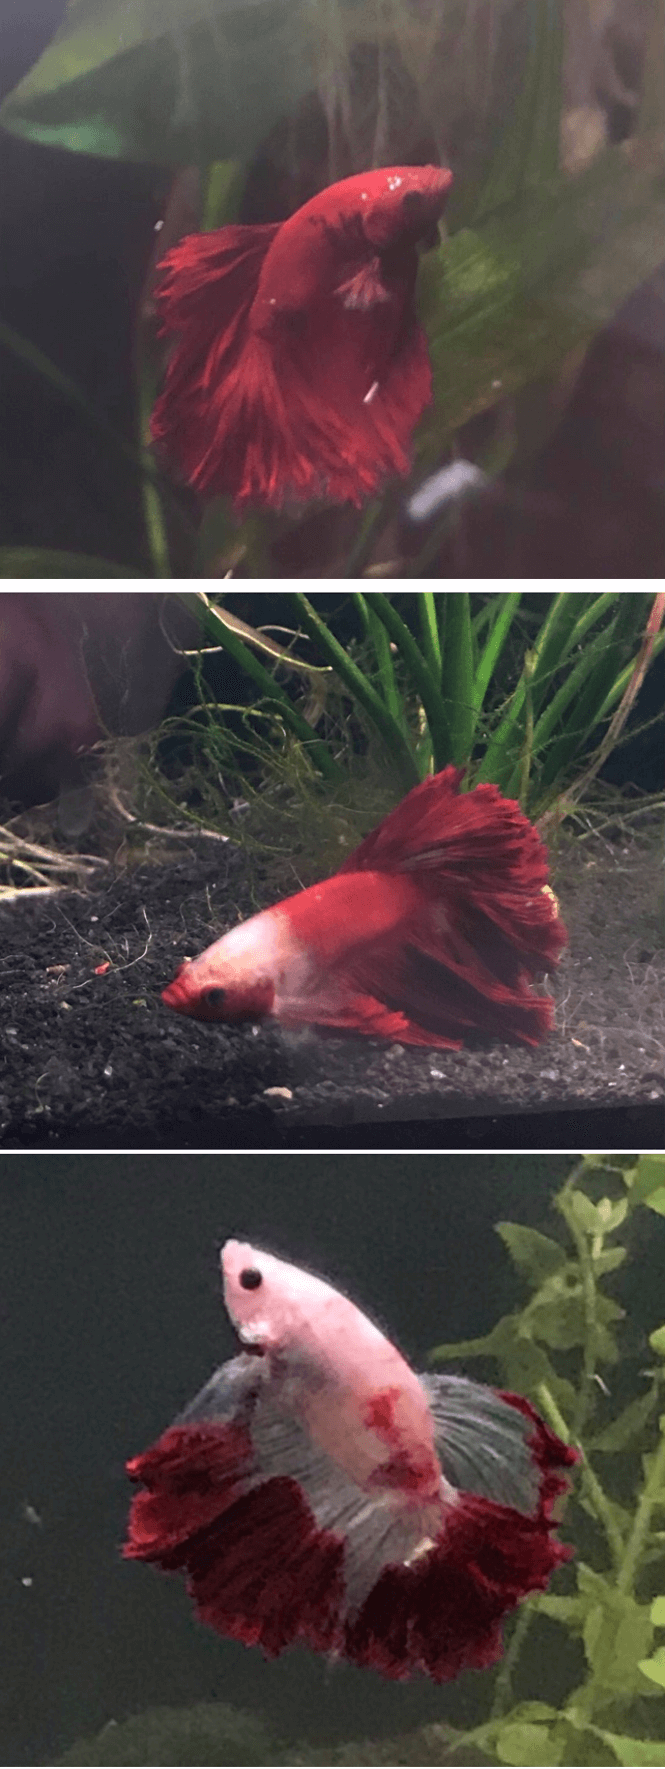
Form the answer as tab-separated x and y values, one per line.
111	1317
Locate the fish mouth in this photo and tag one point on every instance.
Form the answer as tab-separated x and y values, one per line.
176	996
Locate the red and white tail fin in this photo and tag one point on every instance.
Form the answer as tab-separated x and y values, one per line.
280	1546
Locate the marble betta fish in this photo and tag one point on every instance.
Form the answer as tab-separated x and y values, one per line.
317	1491
298	369
431	931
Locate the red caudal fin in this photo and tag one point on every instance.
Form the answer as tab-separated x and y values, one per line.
206	287
280	1546
487	921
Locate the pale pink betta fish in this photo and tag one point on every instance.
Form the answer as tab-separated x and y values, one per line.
319	1492
434	929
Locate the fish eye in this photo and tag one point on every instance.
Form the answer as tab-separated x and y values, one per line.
214	997
250	1278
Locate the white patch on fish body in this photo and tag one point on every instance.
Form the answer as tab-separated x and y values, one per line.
264	947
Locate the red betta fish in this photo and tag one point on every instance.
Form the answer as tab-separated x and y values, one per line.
430	931
318	1492
299	369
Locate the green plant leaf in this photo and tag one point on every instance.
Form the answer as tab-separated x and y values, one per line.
657	1341
525	1743
587	1214
626	1431
505	302
618	1632
556	1314
644	1753
608	1259
581	1743
50	562
528	152
649	1175
183	84
657	1202
570	1611
658	1612
536	1255
654	1668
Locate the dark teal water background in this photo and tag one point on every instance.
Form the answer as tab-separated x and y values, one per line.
111	1318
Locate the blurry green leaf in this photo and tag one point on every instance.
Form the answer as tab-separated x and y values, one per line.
570	1611
185	83
49	562
656	1201
645	1753
536	1255
609	1259
658	1612
505	302
557	1315
586	1213
625	1432
649	1176
528	152
654	1668
657	1341
617	1634
582	1744
526	1744
612	1214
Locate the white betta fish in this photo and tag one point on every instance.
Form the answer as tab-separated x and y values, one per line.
319	1491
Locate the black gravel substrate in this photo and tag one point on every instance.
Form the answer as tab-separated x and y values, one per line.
97	1061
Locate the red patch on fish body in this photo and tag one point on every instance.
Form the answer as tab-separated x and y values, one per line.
300	370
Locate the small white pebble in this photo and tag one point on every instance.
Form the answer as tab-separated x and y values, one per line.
437	1074
277	1093
27	1583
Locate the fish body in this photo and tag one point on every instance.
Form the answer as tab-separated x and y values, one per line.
318	1491
299	370
432	930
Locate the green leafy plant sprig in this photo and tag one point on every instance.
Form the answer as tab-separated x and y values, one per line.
555	1350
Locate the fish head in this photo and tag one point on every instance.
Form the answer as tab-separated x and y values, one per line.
403	203
233	980
269	1302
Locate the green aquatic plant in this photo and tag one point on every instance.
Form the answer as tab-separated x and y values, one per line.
555	1350
514	689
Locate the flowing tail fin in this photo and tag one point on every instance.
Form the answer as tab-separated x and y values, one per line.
206	287
280	1546
489	921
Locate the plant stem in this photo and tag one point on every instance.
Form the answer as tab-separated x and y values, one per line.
653	1485
503	1685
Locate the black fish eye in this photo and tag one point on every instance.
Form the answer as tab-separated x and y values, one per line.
214	996
250	1278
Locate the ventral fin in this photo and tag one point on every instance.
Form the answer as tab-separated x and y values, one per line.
365	288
